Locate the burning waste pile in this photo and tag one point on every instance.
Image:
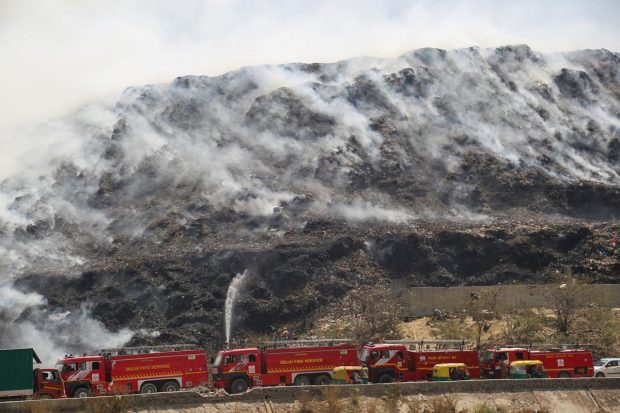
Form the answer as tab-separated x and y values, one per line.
125	221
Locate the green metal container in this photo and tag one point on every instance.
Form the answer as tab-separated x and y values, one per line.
16	377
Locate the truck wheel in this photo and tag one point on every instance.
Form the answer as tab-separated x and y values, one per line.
563	375
386	378
322	380
170	386
238	386
81	393
301	381
599	374
148	388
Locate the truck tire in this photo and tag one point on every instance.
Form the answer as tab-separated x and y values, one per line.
169	386
81	393
563	375
322	380
385	378
600	374
238	386
301	381
148	388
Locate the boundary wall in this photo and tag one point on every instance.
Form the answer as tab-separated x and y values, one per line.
422	301
607	388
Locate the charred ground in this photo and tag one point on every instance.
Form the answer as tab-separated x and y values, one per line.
181	293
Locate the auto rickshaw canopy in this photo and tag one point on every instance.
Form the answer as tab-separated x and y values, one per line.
527	369
442	371
526	363
342	374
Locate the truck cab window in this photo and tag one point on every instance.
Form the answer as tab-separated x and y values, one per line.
70	367
252	358
95	365
240	358
519	356
229	359
84	366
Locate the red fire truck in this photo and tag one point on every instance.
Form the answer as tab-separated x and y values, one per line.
394	361
558	362
281	363
134	370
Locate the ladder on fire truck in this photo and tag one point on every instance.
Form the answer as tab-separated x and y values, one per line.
307	343
420	344
549	347
147	349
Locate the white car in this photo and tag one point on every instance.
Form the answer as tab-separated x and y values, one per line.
607	368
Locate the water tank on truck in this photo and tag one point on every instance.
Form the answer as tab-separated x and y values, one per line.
134	370
280	363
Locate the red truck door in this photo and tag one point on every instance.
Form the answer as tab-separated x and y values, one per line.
48	383
255	368
98	379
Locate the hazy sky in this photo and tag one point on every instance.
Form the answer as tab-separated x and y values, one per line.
59	54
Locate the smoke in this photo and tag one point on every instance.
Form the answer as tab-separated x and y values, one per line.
231	300
53	334
366	140
367	212
51	66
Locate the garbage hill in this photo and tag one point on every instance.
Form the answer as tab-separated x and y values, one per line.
129	218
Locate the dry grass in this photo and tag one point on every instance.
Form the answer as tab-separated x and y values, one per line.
444	404
110	404
484	408
331	394
393	397
305	402
414	406
536	324
40	406
355	398
373	407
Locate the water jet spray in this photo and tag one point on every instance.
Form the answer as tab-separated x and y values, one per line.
231	298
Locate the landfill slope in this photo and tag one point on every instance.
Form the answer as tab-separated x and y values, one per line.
468	166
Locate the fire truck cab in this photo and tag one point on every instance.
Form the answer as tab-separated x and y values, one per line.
48	384
297	362
133	370
413	360
558	363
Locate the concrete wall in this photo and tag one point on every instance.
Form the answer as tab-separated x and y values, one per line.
421	301
594	394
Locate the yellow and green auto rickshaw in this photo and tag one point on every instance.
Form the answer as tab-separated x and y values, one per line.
350	375
527	369
450	371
